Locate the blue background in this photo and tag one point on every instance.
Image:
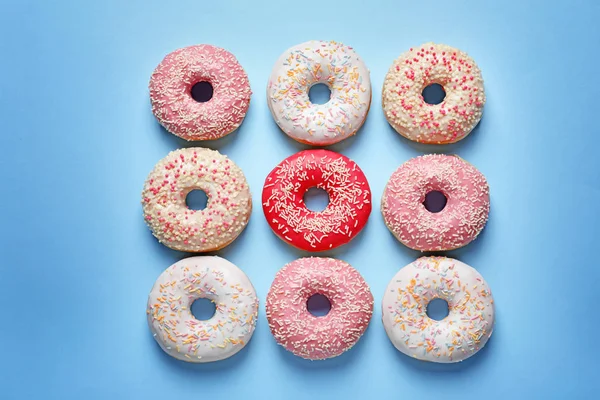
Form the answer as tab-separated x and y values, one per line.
78	139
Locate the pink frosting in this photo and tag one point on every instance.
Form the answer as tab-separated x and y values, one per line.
304	334
179	113
464	216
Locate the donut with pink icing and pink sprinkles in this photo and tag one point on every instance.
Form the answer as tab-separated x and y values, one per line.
309	336
171	93
451	120
457	224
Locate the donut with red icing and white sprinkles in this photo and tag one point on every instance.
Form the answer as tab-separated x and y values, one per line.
164	200
457	224
461	334
319	62
171	93
349	200
308	336
451	120
174	326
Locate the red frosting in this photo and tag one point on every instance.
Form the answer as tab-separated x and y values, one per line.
349	200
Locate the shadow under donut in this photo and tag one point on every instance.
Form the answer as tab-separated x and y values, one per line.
451	148
222	144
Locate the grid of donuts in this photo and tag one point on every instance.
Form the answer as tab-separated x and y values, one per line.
432	203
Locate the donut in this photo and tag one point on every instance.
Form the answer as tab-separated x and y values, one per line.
171	93
464	216
310	63
180	228
308	336
451	120
461	334
184	337
349	200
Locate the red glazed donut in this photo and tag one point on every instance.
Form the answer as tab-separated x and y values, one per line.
349	200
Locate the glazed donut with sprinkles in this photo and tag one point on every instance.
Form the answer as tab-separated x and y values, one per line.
319	62
457	224
181	228
451	120
466	329
349	200
183	336
309	336
171	93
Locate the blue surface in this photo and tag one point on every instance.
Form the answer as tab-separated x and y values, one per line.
78	139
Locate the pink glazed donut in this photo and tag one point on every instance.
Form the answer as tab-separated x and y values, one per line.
457	224
171	93
308	336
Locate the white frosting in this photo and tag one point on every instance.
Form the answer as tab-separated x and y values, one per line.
310	63
181	228
462	333
174	327
451	120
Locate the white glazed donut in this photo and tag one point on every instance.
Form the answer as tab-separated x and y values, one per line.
462	333
184	337
451	120
181	228
310	63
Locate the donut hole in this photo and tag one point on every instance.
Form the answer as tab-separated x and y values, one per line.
318	305
203	309
316	199
437	309
196	200
433	94
202	92
319	93
435	201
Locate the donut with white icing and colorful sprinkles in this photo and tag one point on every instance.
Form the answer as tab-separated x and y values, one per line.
349	200
319	62
309	336
457	224
451	120
171	92
181	228
183	336
461	334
